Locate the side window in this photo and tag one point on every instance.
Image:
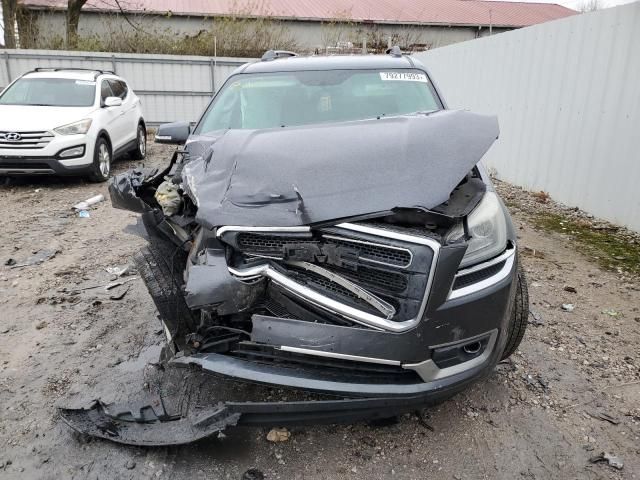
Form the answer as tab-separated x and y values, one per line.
118	88
125	89
105	91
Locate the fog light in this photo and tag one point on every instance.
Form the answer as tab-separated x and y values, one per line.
72	152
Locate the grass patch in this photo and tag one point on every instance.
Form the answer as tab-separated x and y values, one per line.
610	247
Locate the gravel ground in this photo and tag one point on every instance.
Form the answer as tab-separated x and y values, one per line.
569	394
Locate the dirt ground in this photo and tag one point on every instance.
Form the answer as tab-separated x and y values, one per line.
569	394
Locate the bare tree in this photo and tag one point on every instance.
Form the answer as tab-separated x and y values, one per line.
73	18
590	6
9	11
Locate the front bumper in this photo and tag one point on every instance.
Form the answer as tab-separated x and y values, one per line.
46	161
431	358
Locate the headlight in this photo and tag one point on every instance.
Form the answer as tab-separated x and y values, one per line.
74	128
487	231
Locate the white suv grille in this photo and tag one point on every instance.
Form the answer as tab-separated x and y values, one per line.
24	140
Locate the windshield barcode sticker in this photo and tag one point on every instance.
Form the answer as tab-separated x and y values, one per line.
403	76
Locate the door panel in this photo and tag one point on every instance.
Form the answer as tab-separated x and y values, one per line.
129	111
113	121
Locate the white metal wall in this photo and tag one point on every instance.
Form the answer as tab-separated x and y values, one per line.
172	87
567	95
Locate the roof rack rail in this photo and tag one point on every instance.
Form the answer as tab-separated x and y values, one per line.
394	51
73	69
275	54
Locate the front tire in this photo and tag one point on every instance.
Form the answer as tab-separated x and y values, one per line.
101	161
141	143
519	315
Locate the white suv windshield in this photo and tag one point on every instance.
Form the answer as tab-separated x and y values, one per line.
283	99
53	92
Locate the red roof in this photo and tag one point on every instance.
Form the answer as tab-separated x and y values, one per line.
445	12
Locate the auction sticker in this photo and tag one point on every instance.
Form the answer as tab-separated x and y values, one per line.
403	76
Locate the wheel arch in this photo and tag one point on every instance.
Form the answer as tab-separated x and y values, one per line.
104	134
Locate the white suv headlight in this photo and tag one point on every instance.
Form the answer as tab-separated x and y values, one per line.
74	128
487	231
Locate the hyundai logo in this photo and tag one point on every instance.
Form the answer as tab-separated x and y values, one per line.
13	136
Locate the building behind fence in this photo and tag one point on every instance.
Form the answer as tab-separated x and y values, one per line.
171	87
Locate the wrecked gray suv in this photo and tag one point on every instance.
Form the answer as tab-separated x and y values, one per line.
327	227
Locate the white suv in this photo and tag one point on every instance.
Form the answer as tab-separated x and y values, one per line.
68	122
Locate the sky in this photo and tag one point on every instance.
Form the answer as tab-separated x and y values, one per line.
574	4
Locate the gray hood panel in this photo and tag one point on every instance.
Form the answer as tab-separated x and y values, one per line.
315	174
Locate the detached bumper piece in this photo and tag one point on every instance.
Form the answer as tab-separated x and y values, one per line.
146	425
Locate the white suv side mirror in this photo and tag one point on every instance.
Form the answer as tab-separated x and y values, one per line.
112	102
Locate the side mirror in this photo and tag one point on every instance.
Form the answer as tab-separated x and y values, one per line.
112	102
175	133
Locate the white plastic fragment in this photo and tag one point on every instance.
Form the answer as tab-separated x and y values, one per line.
88	202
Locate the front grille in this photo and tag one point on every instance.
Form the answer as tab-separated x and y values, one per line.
267	244
274	245
325	285
392	281
475	277
394	270
377	253
24	166
27	140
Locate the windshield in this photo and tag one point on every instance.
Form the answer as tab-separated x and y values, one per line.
51	92
284	99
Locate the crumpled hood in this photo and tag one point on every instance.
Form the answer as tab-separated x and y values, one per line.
319	173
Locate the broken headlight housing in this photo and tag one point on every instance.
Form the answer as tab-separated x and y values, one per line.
487	229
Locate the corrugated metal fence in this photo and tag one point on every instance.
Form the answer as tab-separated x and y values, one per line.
567	94
172	87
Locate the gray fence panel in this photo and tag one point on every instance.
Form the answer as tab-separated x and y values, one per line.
567	95
171	87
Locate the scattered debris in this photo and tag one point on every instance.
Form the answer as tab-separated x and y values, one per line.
130	465
604	416
612	460
41	325
119	271
532	252
10	262
612	313
83	206
541	196
37	258
253	474
278	435
119	296
117	284
568	307
83	214
422	420
570	289
537	319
